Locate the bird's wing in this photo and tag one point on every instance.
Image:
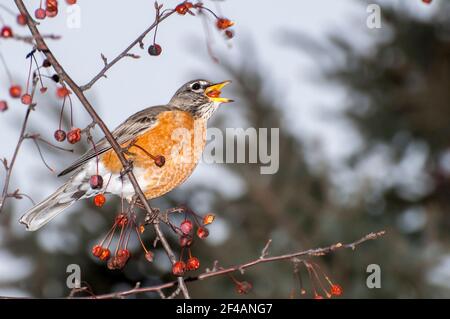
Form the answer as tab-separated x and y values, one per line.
125	132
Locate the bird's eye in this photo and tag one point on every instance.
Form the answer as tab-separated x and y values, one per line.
196	86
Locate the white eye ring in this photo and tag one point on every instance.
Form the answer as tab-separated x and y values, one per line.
196	87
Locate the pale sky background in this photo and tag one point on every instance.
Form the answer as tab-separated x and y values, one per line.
109	26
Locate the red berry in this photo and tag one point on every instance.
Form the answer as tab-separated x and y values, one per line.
202	232
124	253
15	91
243	287
26	99
160	160
223	23
40	14
99	200
193	263
317	296
185	241
105	254
154	49
60	135
149	256
427	1
186	227
179	268
3	106
62	92
336	290
71	1
229	34
121	220
183	8
97	250
96	181
22	19
51	13
74	136
6	32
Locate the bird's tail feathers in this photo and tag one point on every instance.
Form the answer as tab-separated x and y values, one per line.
52	206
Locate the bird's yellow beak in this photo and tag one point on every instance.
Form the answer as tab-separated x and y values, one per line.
214	91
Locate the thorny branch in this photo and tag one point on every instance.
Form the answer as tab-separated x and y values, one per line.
216	271
41	45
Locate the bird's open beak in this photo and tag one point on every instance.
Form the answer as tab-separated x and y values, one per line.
214	91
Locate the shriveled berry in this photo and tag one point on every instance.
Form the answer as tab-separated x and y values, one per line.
15	91
318	297
74	135
3	106
22	19
96	181
40	14
208	219
160	160
192	263
6	32
51	13
154	49
43	89
60	135
99	200
229	34
97	250
149	256
185	241
202	232
179	268
106	253
336	290
224	23
186	227
46	63
55	77
26	99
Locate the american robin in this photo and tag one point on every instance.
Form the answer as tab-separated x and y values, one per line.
163	143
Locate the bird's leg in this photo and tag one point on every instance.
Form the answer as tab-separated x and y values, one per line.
126	168
126	149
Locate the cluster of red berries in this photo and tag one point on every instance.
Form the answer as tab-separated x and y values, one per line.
51	9
186	7
186	237
316	276
126	224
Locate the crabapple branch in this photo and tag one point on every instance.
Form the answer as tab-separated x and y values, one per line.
64	77
125	53
241	267
9	167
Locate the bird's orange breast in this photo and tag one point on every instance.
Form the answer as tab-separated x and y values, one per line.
178	137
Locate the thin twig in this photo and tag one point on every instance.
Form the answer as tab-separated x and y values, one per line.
171	255
9	168
125	53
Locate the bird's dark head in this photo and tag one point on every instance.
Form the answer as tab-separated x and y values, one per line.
199	97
